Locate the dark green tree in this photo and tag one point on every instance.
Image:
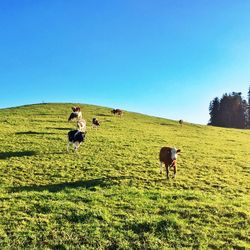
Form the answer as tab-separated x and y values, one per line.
248	109
214	109
229	111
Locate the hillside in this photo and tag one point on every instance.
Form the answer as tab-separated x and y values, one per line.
111	195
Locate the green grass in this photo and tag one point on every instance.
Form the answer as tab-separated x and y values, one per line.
111	195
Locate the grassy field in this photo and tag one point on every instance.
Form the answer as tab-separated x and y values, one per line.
111	195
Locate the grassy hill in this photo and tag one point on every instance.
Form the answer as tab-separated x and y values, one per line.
111	195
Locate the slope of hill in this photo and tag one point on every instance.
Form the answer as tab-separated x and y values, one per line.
111	195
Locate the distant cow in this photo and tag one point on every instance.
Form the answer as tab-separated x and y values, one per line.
75	137
168	156
95	123
117	112
181	122
81	125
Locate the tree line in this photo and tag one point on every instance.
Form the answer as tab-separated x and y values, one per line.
231	111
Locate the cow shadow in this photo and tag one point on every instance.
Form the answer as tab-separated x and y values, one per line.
59	128
88	184
49	121
34	133
101	114
6	155
167	124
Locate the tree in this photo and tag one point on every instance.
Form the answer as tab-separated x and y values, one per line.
214	108
229	111
238	119
248	109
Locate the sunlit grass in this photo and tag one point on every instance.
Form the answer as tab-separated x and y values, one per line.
110	195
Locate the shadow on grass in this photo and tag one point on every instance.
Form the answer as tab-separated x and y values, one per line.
167	124
101	114
34	133
88	184
59	128
45	114
48	121
6	155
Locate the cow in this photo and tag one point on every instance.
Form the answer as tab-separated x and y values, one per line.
181	122
76	109
81	125
75	115
168	156
75	137
95	123
117	112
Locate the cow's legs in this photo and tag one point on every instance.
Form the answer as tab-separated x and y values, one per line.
68	146
160	167
76	146
175	168
167	171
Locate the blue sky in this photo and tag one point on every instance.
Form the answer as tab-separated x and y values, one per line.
166	58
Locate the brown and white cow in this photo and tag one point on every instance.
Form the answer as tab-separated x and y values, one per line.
81	125
76	114
168	156
76	109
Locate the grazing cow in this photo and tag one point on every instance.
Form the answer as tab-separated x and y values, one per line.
75	115
168	156
117	112
181	122
95	123
75	137
81	125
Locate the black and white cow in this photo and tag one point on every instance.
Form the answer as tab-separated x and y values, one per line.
75	137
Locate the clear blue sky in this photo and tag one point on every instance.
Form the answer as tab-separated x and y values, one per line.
166	58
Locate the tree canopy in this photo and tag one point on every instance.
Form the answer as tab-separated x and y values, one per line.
231	111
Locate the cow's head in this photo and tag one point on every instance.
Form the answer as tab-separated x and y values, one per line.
174	153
